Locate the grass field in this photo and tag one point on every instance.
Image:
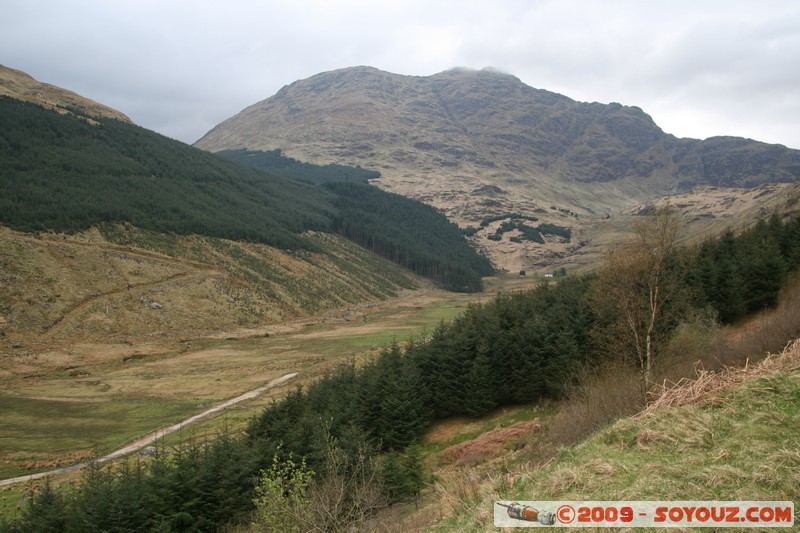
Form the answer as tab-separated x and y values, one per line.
46	433
80	402
69	405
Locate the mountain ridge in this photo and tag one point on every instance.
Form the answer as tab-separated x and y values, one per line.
23	86
479	143
476	114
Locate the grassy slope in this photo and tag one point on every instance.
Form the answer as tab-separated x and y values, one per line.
86	364
732	436
114	369
95	286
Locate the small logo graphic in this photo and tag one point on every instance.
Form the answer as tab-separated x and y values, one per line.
517	511
634	514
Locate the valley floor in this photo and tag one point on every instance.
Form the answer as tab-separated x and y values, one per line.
153	437
75	401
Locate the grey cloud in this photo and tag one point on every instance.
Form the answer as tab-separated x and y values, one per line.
180	67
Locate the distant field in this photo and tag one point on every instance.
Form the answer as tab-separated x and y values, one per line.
45	433
99	397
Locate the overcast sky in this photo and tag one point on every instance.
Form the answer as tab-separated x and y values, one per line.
698	67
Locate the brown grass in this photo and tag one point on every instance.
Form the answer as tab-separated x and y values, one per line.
691	367
491	444
42	460
603	394
708	386
768	332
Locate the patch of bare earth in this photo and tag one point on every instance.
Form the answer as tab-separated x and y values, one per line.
490	444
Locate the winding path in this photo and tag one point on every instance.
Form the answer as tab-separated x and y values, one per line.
152	437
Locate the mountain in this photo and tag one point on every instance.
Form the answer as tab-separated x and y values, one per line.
490	125
100	218
478	144
22	86
62	173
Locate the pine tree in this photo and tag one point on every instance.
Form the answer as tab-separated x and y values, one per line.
480	386
726	290
403	404
45	512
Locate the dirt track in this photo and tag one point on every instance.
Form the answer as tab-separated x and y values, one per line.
152	437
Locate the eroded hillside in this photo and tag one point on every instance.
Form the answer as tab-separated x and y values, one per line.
123	285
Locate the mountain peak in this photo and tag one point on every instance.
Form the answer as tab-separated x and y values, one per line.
477	144
485	70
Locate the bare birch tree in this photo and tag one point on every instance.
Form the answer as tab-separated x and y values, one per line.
637	281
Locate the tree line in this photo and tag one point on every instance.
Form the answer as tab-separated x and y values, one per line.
741	274
404	231
379	222
61	173
275	162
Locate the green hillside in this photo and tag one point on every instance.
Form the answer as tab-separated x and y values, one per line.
64	173
391	225
61	173
730	436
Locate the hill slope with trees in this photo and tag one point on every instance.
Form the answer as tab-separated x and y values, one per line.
344	446
62	173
